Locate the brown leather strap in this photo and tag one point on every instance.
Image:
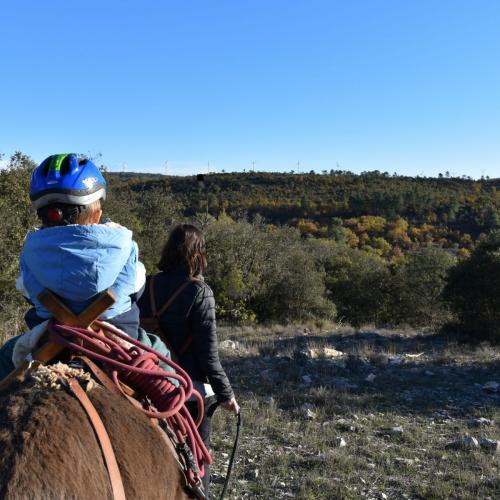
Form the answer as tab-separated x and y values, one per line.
102	437
185	346
156	314
100	375
152	296
174	296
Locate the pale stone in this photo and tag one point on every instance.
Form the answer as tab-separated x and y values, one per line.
227	344
329	352
465	443
491	386
395	361
339	442
490	445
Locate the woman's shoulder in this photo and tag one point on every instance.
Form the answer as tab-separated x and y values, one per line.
202	288
196	284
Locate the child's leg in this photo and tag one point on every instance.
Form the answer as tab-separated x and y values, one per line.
32	319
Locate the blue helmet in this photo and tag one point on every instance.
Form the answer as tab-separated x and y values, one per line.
68	179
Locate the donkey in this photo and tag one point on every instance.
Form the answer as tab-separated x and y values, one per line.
48	449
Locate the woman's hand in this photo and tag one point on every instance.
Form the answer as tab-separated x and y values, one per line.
231	405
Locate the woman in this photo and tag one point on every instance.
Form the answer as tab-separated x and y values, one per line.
185	307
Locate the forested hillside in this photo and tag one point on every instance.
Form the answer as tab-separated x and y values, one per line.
386	214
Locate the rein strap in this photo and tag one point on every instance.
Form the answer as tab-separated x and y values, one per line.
103	438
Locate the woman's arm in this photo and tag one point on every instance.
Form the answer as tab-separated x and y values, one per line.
203	328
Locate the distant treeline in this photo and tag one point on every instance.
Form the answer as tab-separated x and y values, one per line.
363	249
374	211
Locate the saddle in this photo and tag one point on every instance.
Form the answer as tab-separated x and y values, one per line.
52	351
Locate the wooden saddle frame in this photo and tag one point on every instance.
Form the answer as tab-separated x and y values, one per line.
48	351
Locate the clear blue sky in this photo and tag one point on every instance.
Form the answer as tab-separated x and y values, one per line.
411	86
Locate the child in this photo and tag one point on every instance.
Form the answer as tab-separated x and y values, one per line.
73	255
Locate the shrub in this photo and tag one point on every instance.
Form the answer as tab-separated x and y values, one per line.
18	217
473	291
263	272
416	287
358	284
295	290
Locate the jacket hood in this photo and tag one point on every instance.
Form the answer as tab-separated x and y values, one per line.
77	261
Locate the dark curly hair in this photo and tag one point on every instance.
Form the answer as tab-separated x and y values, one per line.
184	250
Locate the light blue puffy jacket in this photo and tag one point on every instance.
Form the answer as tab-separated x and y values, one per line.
79	261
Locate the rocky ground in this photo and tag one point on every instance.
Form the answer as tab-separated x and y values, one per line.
360	414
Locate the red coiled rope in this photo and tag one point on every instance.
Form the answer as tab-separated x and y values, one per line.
139	367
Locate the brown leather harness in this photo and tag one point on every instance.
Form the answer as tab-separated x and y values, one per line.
102	437
152	323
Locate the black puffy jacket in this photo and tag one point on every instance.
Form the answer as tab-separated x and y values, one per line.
191	313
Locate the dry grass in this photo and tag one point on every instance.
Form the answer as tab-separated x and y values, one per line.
431	396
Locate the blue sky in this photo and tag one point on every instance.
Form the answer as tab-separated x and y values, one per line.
407	86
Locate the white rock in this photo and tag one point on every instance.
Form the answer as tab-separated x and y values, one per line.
480	422
339	442
370	378
490	445
397	430
311	353
227	344
395	361
470	442
465	443
329	352
310	415
491	386
307	411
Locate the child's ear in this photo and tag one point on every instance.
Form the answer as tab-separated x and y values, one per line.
97	217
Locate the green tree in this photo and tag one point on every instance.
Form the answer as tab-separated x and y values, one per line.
473	290
18	217
416	287
357	283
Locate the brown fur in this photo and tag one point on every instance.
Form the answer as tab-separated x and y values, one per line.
48	449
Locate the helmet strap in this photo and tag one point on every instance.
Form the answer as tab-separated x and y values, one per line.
60	214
